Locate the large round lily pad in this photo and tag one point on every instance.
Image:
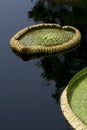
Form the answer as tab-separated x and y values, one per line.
74	101
45	38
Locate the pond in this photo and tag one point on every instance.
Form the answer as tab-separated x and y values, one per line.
30	88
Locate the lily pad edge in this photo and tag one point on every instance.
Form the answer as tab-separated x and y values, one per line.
16	45
67	111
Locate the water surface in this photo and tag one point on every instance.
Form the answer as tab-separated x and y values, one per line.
30	90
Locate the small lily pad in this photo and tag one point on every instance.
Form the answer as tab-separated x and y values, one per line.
45	38
74	101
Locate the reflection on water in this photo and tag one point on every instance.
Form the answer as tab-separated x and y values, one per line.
47	11
60	68
63	66
78	3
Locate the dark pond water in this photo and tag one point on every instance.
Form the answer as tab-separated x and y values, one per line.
30	90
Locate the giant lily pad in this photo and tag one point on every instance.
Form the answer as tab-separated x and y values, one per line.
45	38
74	101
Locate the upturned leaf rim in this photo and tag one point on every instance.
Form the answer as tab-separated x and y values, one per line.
67	111
39	49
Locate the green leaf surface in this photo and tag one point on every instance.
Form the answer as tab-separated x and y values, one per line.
77	94
46	37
